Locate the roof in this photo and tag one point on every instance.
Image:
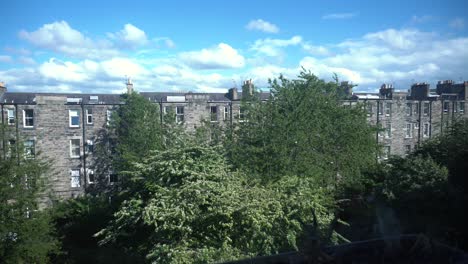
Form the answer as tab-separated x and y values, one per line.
30	98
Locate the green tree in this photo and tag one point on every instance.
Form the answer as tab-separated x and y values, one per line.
26	233
303	130
192	209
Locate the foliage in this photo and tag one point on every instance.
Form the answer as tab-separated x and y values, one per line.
137	130
304	130
191	209
26	234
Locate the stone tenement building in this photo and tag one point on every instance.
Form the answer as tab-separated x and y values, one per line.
64	127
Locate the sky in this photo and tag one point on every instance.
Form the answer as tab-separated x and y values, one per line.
210	46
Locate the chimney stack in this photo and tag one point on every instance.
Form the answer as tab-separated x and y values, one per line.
3	88
233	94
129	86
247	89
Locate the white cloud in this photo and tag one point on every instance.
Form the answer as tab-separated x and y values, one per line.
61	38
316	50
339	16
262	25
457	23
272	47
130	36
219	57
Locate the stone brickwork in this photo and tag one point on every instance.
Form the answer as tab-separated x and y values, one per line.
405	119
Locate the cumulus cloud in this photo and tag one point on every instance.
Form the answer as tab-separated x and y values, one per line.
262	25
272	47
221	56
130	36
339	16
61	38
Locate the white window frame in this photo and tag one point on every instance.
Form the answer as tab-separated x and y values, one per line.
446	103
214	116
388	130
73	113
28	118
108	117
74	147
461	107
75	178
426	108
11	117
426	129
226	113
180	118
409	109
29	149
89	148
386	152
416	109
89	116
241	115
88	173
409	130
388	109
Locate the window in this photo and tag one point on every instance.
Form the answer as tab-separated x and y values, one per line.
462	107
416	109
179	114
213	113
90	175
75	148
108	117
241	114
369	108
11	116
74	118
386	152
226	113
409	130
89	116
426	108
167	109
113	178
407	149
28	118
29	149
388	109
75	178
11	147
380	106
446	107
388	130
426	130
409	109
89	147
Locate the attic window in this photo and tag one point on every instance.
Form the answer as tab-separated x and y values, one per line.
93	98
73	100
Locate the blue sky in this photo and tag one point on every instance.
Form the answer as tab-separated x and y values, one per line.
91	46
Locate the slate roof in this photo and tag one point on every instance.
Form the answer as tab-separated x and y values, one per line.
29	98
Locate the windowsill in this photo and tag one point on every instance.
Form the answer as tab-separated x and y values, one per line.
75	157
28	127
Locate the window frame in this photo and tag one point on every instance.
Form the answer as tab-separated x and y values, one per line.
29	150
11	118
74	148
71	116
426	130
75	180
180	115
388	130
108	117
89	115
426	108
388	109
409	130
461	107
89	147
226	113
113	175
446	109
88	173
214	115
26	118
409	109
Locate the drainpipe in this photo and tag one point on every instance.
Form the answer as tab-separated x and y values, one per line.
430	119
85	173
419	122
3	132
